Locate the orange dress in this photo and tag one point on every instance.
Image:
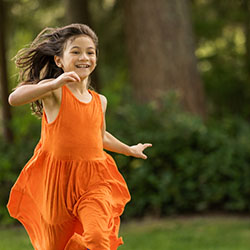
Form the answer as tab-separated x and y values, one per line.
70	194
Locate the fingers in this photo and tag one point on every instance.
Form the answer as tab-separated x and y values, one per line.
76	76
73	76
143	147
70	79
146	145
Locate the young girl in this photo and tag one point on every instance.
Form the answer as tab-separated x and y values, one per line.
70	194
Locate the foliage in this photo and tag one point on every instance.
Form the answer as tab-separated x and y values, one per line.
192	166
14	156
220	31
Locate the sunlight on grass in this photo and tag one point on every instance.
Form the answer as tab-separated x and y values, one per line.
182	233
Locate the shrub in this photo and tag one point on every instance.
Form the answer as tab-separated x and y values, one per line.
193	166
13	156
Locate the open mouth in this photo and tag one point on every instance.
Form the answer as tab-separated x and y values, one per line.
80	66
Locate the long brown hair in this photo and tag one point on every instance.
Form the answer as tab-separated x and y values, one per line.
37	63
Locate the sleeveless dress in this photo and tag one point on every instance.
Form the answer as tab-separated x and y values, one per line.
70	194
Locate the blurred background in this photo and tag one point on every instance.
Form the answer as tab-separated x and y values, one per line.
175	73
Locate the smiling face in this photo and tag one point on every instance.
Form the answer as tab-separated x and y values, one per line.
79	55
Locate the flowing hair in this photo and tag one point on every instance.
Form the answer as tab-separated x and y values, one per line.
37	63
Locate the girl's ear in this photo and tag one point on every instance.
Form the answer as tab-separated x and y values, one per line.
57	60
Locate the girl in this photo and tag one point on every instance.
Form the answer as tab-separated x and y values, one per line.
70	194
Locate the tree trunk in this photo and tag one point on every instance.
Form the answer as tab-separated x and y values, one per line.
246	7
77	11
6	112
161	50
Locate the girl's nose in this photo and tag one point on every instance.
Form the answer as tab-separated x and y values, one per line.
83	56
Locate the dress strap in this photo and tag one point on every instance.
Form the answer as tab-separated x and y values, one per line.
97	97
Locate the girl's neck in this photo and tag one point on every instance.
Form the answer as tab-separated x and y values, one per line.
81	87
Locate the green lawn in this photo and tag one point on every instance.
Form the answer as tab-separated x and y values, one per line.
182	233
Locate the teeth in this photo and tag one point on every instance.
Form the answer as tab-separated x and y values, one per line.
82	66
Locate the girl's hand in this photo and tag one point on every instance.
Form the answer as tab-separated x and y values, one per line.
137	150
65	78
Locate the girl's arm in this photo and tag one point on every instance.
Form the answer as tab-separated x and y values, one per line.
31	92
112	144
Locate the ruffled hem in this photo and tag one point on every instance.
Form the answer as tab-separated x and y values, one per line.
77	242
49	191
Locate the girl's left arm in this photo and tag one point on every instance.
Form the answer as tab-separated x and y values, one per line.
113	144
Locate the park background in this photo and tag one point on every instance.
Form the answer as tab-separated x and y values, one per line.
175	73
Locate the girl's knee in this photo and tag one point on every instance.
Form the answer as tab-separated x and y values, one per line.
98	240
94	240
76	242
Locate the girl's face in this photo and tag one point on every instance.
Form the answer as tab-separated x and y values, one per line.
79	55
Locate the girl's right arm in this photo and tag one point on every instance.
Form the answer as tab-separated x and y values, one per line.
32	92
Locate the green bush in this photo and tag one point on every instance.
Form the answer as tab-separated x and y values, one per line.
193	166
13	156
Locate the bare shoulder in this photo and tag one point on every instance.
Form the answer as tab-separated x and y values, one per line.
52	98
104	102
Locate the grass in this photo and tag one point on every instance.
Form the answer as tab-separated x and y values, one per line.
193	233
181	233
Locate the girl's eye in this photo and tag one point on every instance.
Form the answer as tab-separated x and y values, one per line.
75	52
91	53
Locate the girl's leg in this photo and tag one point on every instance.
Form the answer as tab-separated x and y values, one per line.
56	236
94	217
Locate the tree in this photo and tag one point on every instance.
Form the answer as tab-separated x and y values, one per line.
160	47
77	11
246	8
6	112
